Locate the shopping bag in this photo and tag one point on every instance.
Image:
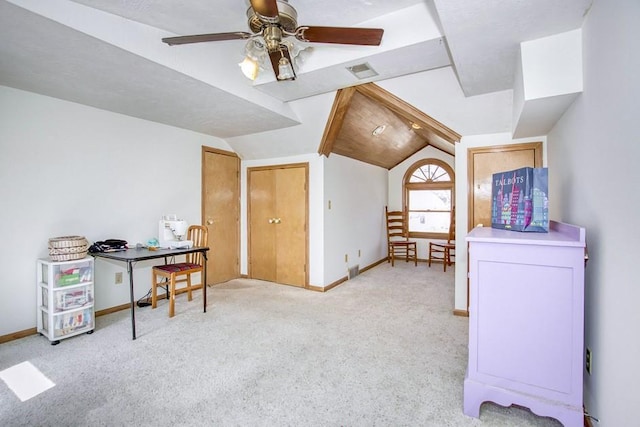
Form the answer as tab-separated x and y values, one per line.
519	200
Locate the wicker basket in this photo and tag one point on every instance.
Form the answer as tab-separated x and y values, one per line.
67	248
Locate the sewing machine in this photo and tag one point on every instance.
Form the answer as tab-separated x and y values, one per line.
171	231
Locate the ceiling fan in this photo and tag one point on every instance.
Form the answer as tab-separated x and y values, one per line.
271	22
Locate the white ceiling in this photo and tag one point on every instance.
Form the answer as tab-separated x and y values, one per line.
108	54
484	36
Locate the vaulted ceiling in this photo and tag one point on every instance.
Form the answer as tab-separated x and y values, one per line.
109	55
369	124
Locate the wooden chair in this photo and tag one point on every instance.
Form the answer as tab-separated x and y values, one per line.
441	250
399	245
173	273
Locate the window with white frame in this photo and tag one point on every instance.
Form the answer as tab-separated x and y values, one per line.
428	197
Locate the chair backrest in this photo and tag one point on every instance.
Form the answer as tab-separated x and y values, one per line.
396	225
452	226
198	234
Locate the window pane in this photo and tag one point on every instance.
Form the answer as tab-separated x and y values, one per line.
429	222
429	211
429	200
430	173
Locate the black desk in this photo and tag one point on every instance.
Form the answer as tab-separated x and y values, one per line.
134	255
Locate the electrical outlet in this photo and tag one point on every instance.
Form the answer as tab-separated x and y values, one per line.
588	361
119	278
346	258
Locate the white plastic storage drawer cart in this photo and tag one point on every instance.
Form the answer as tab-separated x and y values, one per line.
65	298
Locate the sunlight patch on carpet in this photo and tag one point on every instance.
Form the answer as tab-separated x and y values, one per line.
25	380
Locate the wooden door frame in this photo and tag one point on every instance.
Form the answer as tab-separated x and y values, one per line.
203	188
304	165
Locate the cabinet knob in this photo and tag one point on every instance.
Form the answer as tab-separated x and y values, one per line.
209	221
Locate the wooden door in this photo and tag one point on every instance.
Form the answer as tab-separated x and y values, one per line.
262	231
291	224
278	206
221	213
483	162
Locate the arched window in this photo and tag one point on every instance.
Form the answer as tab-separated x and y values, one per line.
429	196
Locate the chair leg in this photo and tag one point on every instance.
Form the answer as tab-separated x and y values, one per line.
445	259
172	299
189	286
154	289
415	255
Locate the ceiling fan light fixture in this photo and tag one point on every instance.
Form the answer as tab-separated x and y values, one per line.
255	53
255	49
285	70
250	68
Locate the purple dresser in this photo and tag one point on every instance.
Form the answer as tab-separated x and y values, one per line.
526	321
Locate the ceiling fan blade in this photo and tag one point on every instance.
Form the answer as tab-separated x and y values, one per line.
265	8
198	38
340	35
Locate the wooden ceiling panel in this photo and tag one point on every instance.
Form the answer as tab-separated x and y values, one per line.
356	139
358	110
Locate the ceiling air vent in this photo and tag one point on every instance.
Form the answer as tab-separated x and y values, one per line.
362	71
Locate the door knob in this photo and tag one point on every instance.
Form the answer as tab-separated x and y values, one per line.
209	221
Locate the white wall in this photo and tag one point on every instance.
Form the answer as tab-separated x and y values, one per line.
295	140
593	153
354	225
396	177
552	65
67	169
461	200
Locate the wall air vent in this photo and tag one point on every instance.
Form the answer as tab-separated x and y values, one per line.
353	271
362	71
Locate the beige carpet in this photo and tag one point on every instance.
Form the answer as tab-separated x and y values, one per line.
382	349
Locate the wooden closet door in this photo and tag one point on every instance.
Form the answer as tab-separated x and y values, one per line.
278	224
262	232
291	236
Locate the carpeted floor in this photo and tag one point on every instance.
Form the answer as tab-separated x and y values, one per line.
382	349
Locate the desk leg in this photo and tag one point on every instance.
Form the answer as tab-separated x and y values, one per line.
204	282
166	283
133	302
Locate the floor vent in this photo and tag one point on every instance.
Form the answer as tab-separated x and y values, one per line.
354	271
